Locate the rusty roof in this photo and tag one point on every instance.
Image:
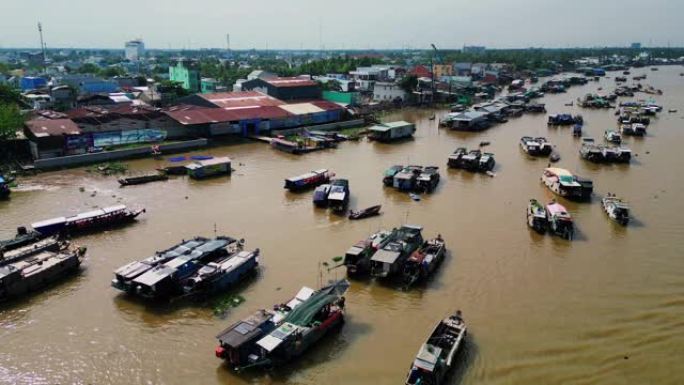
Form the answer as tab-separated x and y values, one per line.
219	115
241	99
42	127
291	82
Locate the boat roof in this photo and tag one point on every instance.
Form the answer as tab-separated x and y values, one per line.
427	357
357	248
386	256
235	261
302	295
208	162
276	337
154	276
48	222
556	209
559	171
244	330
96	213
385	127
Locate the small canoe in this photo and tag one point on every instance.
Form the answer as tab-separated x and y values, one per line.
365	213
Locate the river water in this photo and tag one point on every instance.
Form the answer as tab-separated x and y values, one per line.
606	308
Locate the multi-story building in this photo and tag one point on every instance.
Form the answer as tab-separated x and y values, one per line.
186	72
135	50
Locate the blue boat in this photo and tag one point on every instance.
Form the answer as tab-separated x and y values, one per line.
220	275
320	195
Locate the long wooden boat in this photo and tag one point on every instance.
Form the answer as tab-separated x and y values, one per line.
365	213
142	179
616	209
436	356
88	221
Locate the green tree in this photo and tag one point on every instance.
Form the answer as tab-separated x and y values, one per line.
9	95
11	120
112	71
88	68
409	83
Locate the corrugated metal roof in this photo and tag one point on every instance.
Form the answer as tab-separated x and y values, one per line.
291	82
326	105
219	115
302	108
241	99
42	127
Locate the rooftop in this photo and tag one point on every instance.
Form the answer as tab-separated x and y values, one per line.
43	127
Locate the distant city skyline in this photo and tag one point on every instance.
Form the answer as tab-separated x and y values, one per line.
354	24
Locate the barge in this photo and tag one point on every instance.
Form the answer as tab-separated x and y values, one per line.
308	180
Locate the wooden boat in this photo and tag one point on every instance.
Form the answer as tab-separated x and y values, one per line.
424	261
211	267
338	197
536	216
38	269
88	221
303	327
535	146
237	343
577	130
210	167
432	117
357	258
365	213
388	177
616	208
428	179
560	221
320	195
436	356
23	237
389	260
141	179
46	244
562	182
554	157
456	158
308	180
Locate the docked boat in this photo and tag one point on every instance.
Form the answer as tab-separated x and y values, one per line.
616	208
142	179
320	195
428	179
407	179
206	269
617	154
486	163
612	136
308	180
436	356
365	213
338	197
88	221
577	130
222	274
535	146
424	261
124	276
560	221
456	158
554	157
633	129
591	151
389	261
391	131
388	176
238	342
37	270
357	258
536	216
210	167
303	327
565	120
15	254
23	237
4	188
562	182
471	160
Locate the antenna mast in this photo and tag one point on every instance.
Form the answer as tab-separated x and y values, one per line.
42	45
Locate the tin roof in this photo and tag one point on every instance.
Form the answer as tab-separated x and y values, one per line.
241	99
291	82
41	127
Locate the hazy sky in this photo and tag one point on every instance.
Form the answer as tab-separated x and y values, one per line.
342	24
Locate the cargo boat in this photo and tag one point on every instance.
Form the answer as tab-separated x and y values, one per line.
535	146
560	221
40	245
456	158
237	343
357	258
222	274
389	260
91	220
210	167
303	327
388	177
436	356
561	182
536	216
424	261
392	131
38	270
338	197
23	237
308	180
125	275
171	279
320	195
4	188
428	179
142	179
407	179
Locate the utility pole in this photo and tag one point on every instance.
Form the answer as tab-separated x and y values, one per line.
42	46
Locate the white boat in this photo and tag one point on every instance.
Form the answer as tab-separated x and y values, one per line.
616	208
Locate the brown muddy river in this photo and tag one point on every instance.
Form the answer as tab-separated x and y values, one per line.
606	308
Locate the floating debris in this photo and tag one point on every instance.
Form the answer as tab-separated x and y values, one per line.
222	305
109	168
